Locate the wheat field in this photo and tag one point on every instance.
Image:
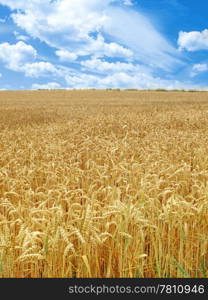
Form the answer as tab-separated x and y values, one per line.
103	184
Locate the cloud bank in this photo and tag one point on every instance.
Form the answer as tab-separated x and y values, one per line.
95	43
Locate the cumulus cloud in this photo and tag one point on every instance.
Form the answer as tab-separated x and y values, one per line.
193	41
65	55
21	57
99	48
16	55
38	69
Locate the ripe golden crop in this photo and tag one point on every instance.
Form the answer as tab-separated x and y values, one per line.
103	184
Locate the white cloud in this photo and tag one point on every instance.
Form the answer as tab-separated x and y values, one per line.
38	69
21	57
103	66
15	56
65	55
47	86
193	41
100	48
200	67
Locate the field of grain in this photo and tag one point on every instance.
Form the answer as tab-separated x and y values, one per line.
103	184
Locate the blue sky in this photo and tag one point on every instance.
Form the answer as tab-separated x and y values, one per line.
143	44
